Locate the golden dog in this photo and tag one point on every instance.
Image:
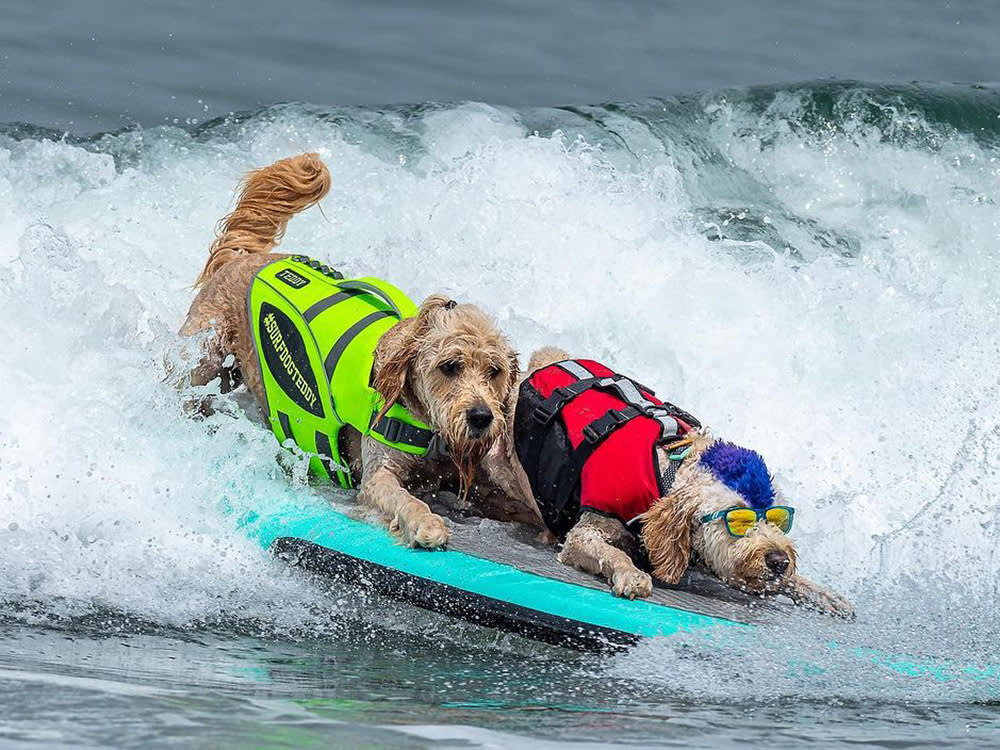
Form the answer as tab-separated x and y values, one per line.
678	528
449	365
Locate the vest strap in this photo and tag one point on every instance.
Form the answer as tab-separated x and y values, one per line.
668	415
286	426
338	349
327	302
674	460
575	369
593	435
669	474
394	430
597	431
548	409
330	462
365	288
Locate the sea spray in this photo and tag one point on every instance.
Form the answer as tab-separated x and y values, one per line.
810	270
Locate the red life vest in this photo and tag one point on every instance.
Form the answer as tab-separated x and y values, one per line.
587	436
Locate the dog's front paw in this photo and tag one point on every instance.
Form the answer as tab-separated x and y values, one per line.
423	529
631	583
832	603
806	593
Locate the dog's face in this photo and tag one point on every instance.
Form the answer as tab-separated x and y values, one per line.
756	562
463	376
453	365
725	476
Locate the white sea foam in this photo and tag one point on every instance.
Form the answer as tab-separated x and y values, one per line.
852	340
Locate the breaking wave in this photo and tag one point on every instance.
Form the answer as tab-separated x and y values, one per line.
811	270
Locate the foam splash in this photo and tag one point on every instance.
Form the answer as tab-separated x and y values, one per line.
817	285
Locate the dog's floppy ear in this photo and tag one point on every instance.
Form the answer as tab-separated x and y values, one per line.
509	406
666	532
397	349
510	403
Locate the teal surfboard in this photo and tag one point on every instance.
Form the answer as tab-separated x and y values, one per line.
497	575
492	574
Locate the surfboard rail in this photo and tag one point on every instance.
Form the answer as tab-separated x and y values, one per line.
497	592
469	586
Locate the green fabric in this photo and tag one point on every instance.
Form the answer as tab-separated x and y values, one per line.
293	354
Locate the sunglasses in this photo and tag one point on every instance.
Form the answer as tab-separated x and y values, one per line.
740	520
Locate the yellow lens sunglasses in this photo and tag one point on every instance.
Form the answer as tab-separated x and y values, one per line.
740	519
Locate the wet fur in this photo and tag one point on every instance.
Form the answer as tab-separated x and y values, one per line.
407	359
674	539
408	368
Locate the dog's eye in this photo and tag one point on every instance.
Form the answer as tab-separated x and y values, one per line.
450	368
494	372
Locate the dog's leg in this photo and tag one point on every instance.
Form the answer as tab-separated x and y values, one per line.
214	361
590	547
411	518
210	365
209	355
806	593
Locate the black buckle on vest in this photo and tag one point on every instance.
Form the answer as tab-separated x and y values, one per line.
599	429
617	416
391	429
546	410
542	414
394	430
437	449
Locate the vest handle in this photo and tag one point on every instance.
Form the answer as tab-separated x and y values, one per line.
364	286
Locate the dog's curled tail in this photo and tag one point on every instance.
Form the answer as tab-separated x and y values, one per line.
268	198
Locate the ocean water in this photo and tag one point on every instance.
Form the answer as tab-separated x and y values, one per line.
810	267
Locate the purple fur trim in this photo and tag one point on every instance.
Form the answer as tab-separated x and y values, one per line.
741	470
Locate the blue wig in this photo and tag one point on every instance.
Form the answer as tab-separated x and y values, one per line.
741	470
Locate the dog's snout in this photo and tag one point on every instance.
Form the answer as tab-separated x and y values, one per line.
777	562
479	417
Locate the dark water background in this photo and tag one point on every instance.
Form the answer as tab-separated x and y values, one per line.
826	251
89	66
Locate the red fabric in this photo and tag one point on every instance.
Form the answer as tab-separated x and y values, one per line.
621	477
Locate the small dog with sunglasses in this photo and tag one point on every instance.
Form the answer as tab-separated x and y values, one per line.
626	480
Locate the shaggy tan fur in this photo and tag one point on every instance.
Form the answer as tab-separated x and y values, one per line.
443	363
674	538
603	546
411	363
269	198
672	532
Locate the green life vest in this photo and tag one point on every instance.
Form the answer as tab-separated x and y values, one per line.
315	333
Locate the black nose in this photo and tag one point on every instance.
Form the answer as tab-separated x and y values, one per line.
479	417
777	562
